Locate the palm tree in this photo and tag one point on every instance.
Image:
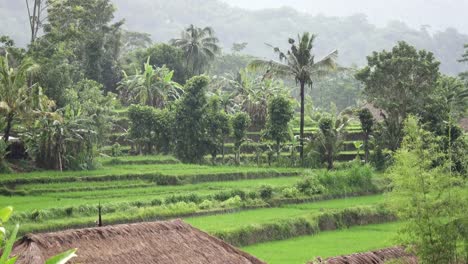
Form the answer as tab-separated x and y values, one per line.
250	93
298	62
153	86
16	96
200	47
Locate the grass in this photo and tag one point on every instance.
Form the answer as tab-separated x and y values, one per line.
122	171
229	222
137	160
326	244
121	193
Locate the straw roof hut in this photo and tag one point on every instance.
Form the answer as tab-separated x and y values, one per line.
143	243
373	257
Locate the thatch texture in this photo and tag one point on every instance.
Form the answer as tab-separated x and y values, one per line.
373	257
142	243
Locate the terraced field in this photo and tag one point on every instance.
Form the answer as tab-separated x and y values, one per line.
300	250
241	205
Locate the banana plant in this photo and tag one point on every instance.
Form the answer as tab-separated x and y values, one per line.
7	242
358	146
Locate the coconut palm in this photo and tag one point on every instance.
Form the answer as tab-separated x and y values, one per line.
153	86
17	98
299	63
200	47
250	93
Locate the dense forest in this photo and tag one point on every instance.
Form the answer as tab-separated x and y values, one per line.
353	36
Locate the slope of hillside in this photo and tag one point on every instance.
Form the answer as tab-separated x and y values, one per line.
353	36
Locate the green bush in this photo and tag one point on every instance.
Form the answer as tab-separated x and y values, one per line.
194	198
266	192
116	150
290	192
253	195
225	195
255	203
233	202
310	186
206	204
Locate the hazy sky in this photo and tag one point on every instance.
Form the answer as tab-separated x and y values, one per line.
439	14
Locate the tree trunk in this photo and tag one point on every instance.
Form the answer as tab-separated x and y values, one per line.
366	148
7	131
302	122
330	161
222	152
277	150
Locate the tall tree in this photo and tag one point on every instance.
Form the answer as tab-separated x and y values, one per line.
240	123
219	127
190	122
465	55
300	64
17	98
84	33
464	75
200	47
160	55
280	112
132	40
367	124
399	82
36	15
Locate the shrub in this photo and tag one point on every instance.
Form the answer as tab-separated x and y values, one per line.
253	195
232	202
356	179
290	192
255	203
116	150
266	192
225	195
156	202
182	208
206	204
194	198
310	185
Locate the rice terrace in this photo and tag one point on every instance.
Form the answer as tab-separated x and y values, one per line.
237	132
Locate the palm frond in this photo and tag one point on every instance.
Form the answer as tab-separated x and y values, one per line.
272	67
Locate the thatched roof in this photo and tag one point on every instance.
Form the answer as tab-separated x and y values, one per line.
143	243
373	257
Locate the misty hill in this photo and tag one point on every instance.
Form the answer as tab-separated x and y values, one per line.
355	37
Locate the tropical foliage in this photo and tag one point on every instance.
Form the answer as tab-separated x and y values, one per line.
280	113
437	234
399	82
17	98
200	47
329	139
299	64
6	243
153	86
